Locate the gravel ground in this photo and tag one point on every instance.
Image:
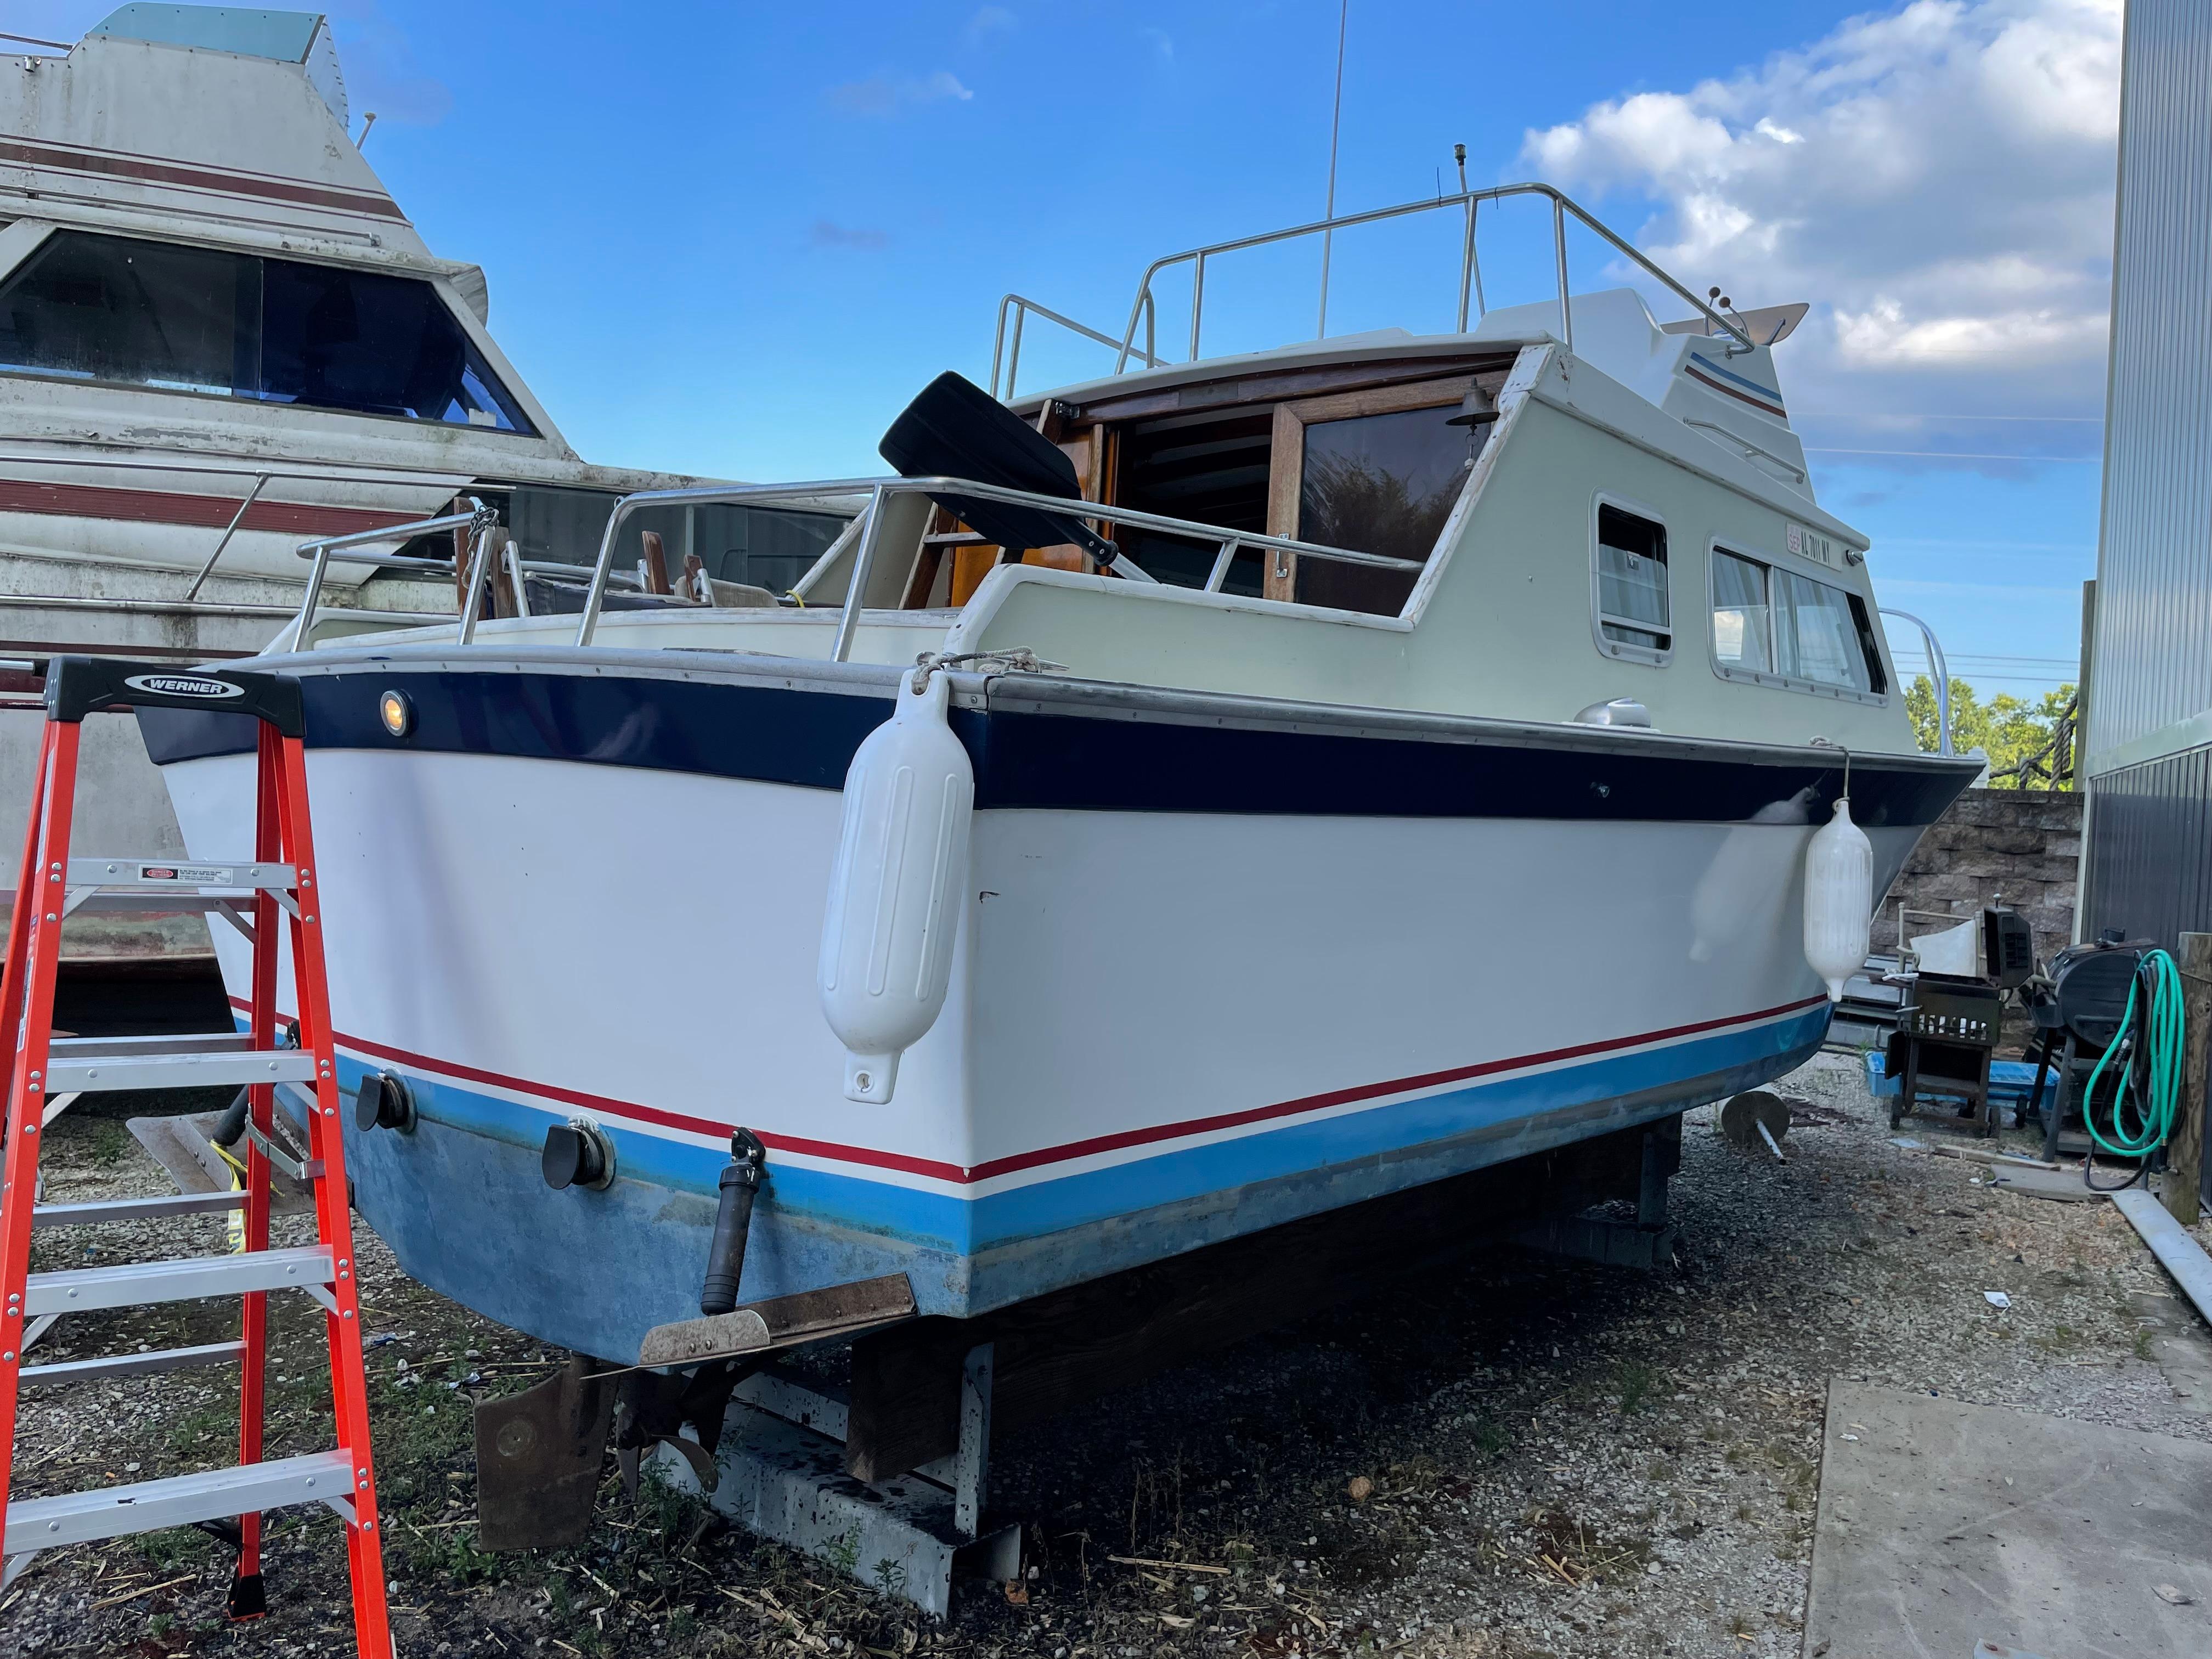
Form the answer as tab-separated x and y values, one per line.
1529	1458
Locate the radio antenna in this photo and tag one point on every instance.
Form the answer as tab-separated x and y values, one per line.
1335	125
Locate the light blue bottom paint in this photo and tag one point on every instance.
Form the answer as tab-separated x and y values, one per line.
464	1205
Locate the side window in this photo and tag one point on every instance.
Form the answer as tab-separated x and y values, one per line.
1633	616
1814	638
1741	636
275	331
1773	622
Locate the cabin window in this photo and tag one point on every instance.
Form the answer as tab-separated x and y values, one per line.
1813	638
1379	483
1374	472
276	330
1769	621
1741	636
1634	618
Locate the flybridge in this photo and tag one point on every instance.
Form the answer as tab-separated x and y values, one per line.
283	37
212	119
1735	331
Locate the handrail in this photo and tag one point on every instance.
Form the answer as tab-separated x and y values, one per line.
263	477
1023	306
322	547
879	491
1737	438
1939	671
1562	205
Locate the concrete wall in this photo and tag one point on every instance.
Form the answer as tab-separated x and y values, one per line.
2021	843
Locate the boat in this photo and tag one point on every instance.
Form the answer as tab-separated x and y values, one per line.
1175	805
218	337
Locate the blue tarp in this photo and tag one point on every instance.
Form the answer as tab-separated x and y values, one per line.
2009	1080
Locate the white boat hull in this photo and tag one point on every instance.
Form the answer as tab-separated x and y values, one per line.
1165	1027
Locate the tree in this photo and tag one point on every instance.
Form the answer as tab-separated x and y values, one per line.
2030	746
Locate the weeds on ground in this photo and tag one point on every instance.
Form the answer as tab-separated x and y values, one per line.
109	1141
1636	1383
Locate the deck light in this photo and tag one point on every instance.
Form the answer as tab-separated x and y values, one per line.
397	711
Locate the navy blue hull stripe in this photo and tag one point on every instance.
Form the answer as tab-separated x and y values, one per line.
806	738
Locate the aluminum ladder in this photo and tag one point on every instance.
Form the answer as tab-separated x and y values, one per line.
44	1069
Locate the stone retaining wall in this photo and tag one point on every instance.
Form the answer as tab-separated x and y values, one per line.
2021	844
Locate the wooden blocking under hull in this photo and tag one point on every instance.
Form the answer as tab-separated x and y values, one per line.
783	1321
1054	1352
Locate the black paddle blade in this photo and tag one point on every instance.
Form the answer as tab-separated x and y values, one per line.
956	429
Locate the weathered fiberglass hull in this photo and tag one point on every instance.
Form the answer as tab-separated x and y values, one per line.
1223	963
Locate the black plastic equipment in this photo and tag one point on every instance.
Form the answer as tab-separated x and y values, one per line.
77	685
383	1101
2007	948
2089	986
575	1155
956	429
2077	1016
733	1215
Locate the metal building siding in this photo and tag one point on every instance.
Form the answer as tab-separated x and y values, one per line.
2152	663
2149	867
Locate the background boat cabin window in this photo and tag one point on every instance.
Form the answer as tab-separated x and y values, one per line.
762	547
275	331
1634	616
1767	620
1209	467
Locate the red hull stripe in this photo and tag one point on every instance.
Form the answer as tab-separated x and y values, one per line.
201	512
145	169
1759	403
1072	1150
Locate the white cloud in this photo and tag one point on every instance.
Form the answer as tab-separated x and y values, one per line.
1937	178
988	23
886	95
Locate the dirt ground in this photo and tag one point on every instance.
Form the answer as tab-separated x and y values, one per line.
1533	1457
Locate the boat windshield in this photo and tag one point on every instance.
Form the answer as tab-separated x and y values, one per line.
154	314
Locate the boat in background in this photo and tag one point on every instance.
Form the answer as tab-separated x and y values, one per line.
220	335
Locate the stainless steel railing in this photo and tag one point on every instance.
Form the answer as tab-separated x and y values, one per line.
1470	271
1023	308
1938	670
1227	542
480	521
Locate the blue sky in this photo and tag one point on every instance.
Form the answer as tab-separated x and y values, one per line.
733	239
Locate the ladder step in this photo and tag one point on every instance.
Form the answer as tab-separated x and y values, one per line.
168	875
214	1060
79	1518
94	1211
134	1365
131	1284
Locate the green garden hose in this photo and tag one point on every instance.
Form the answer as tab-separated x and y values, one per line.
2157	1048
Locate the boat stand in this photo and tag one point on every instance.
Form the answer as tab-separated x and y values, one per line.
1648	1241
781	1475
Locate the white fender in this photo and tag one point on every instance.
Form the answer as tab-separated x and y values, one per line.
1838	899
895	894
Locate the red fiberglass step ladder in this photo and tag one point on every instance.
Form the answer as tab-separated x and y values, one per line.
44	1068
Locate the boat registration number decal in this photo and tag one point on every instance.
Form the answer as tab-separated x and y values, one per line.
1811	544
